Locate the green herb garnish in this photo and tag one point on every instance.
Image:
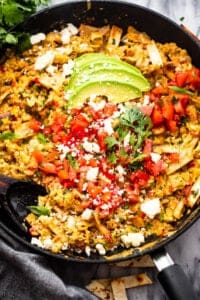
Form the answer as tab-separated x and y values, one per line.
112	158
39	210
141	124
181	90
7	135
11	14
72	160
41	138
111	141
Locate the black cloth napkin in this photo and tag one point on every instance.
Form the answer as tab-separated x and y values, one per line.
25	275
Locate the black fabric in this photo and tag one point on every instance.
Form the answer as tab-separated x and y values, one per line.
25	275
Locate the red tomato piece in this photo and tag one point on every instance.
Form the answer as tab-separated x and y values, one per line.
48	168
139	177
157	116
146	109
181	78
35	125
167	109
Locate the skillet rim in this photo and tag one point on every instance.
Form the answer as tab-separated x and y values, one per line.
193	216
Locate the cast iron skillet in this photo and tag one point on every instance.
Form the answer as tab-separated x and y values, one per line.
99	13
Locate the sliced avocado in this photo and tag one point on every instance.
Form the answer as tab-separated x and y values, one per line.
116	73
88	59
116	92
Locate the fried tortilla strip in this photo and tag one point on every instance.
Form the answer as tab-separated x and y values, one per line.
118	289
185	150
194	194
115	289
141	262
115	36
101	288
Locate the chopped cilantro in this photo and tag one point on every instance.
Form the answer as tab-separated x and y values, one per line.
72	160
39	210
41	138
181	19
140	123
181	90
111	141
112	158
13	12
7	135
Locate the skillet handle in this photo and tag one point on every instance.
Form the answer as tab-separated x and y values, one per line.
172	278
176	284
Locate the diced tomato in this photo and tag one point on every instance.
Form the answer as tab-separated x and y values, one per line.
132	193
139	177
147	149
167	109
35	125
78	126
159	90
154	168
146	109
109	109
48	168
172	125
101	140
93	162
157	116
187	190
194	78
173	157
58	123
38	155
93	189
181	78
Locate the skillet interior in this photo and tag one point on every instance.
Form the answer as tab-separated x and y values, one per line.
98	13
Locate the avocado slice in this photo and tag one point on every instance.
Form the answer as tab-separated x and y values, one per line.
116	73
115	91
88	59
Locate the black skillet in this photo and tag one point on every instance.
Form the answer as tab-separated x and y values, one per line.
99	13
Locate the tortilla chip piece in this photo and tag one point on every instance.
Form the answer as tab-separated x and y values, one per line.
141	262
115	289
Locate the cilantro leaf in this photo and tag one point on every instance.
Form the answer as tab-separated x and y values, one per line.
7	135
13	12
72	160
39	210
181	90
110	141
141	124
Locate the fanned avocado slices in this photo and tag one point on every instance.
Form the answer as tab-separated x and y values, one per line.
97	74
116	92
100	72
88	59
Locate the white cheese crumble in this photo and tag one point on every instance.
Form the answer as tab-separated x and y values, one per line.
45	60
92	173
146	100
35	241
87	214
68	68
151	207
64	150
72	29
51	70
108	126
47	243
91	147
134	239
100	248
87	250
155	156
71	222
65	35
96	105
37	38
127	139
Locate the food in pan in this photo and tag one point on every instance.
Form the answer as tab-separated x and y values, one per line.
108	122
